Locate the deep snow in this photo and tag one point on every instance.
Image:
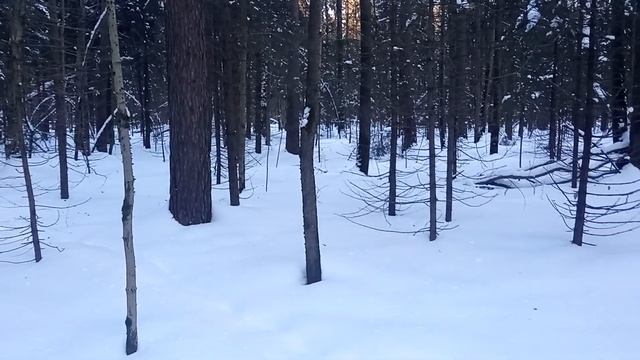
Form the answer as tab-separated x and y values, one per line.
505	283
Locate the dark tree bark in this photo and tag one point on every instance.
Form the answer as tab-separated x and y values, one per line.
261	105
308	133
231	106
81	133
241	29
618	90
431	137
455	102
635	93
15	109
553	124
190	126
393	85
494	123
292	113
576	109
405	100
366	84
578	229
57	11
340	68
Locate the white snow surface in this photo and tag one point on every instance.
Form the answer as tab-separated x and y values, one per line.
505	283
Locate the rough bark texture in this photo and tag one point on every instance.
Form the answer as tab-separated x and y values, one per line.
618	90
292	122
122	122
190	126
366	83
578	229
240	18
308	133
635	94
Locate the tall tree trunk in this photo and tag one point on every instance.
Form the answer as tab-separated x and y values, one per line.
57	11
308	133
635	93
578	228
576	109
231	105
242	33
81	133
393	85
146	91
15	107
260	100
366	84
431	137
618	90
104	108
292	113
15	112
340	68
553	124
455	102
190	125
122	122
494	124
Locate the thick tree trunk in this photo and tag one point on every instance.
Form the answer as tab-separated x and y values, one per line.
366	84
57	11
231	106
122	122
618	90
104	108
190	125
308	133
635	93
578	228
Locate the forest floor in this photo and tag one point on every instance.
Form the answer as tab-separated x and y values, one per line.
501	282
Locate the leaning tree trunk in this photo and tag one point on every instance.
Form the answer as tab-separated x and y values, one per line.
15	107
308	133
635	93
578	228
122	122
366	84
57	9
618	90
190	124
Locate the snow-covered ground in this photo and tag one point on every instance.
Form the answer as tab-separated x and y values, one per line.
503	283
